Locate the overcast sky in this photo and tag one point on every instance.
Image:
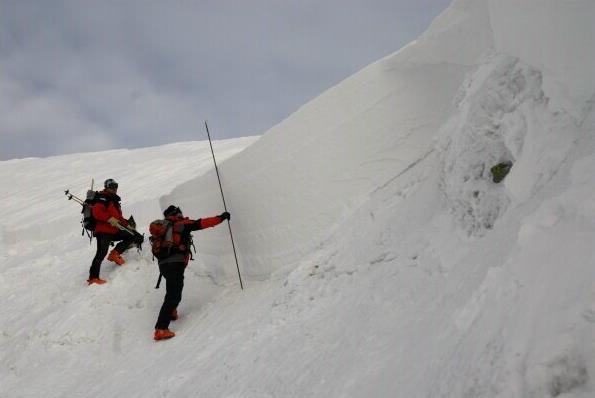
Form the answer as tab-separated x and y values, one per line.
79	76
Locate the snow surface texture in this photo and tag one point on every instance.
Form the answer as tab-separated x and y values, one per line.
379	258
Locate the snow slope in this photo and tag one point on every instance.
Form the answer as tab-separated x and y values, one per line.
379	258
33	199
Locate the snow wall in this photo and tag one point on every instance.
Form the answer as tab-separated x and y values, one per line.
334	151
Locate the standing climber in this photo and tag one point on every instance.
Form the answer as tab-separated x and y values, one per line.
171	240
110	227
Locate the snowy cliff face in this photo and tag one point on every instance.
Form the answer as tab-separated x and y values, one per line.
379	257
503	116
503	81
312	170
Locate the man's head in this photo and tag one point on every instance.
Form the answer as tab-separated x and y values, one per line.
110	184
172	211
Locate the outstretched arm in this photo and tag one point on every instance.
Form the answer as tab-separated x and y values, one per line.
209	222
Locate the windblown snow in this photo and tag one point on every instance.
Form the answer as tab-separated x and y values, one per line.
378	255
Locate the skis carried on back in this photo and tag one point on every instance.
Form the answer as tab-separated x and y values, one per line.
88	222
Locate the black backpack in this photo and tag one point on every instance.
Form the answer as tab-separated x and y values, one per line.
89	222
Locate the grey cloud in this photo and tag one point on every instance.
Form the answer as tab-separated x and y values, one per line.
92	75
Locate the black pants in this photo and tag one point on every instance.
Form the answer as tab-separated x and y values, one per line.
103	243
174	282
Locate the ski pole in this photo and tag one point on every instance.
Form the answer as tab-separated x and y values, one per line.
224	205
71	196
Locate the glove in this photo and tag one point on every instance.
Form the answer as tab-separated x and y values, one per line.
225	215
113	221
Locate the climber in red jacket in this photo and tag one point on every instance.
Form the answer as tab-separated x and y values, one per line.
109	228
172	250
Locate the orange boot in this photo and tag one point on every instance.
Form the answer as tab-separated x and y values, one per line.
174	315
162	334
115	257
96	281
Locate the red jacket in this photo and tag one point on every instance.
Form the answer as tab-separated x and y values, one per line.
107	206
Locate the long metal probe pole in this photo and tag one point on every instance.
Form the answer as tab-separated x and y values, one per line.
224	205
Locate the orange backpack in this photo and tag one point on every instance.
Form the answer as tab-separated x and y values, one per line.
166	235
